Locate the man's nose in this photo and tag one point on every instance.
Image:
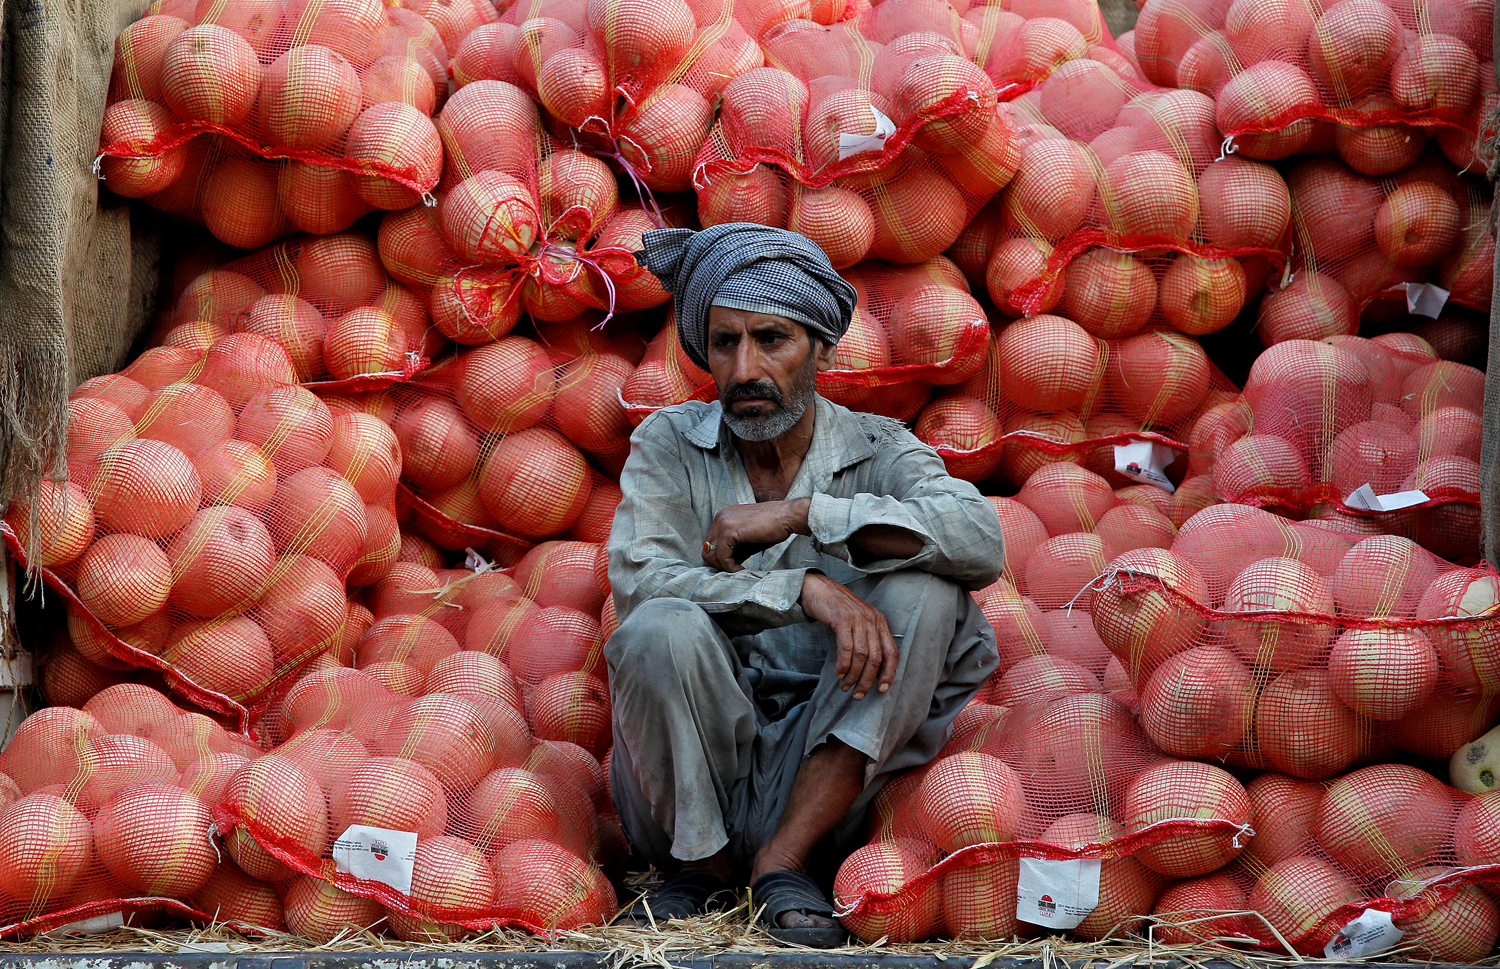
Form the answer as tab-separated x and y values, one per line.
749	363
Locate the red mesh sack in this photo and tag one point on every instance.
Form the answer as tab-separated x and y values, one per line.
107	815
1125	211
1370	250
343	321
1292	646
312	113
1049	391
523	222
445	760
1384	843
1335	427
1281	73
886	122
1057	783
630	81
504	444
213	512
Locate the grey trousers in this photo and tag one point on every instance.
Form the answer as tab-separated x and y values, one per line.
697	763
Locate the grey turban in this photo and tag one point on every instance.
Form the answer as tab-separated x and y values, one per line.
749	267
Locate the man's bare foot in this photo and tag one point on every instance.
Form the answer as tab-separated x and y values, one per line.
716	865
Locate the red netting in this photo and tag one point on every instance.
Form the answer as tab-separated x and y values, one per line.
485	754
344	323
1318	422
1370	248
1253	640
518	440
313	113
1125	211
524	221
133	806
213	512
881	135
1275	644
1063	774
1389	75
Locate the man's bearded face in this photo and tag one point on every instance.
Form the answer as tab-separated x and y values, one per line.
766	371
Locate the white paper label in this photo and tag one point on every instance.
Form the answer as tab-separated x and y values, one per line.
1146	462
1425	299
107	922
1371	933
475	562
854	144
1364	497
1057	894
377	855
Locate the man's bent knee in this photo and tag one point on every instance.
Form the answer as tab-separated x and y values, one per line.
656	632
898	593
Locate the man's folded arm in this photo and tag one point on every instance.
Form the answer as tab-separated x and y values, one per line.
655	548
956	525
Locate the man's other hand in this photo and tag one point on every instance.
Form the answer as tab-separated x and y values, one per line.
867	653
761	525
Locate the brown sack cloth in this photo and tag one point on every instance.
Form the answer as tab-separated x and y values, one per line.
77	279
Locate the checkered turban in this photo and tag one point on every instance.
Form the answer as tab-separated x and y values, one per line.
747	267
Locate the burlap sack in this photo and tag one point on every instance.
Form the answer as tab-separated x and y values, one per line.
77	278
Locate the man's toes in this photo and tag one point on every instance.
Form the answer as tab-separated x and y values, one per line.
802	920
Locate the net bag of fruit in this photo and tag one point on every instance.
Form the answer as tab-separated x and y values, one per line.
442	787
1375	428
326	300
523	222
1308	76
258	117
1125	211
1385	858
1048	391
1055	813
631	81
106	819
518	440
876	138
1372	248
212	512
1267	643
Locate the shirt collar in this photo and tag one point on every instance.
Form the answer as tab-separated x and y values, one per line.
839	440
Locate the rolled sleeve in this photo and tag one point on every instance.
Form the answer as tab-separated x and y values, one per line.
833	521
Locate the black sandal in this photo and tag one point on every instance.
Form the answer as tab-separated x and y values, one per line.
680	897
778	892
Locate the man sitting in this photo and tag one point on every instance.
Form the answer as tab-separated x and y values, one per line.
792	580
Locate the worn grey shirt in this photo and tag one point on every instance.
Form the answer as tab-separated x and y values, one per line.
860	470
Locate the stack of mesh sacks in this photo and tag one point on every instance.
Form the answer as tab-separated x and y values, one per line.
1242	639
465	716
213	512
1366	79
326	300
1370	244
1398	95
257	117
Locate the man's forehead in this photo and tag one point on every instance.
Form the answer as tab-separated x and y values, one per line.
722	318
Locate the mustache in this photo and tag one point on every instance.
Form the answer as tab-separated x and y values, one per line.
753	389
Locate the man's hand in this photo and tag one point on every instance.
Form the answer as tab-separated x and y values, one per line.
867	653
761	525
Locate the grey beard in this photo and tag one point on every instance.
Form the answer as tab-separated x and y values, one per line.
782	418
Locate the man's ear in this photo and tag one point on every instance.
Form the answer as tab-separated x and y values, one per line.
824	352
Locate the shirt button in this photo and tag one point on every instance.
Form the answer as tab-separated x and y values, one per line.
786	603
